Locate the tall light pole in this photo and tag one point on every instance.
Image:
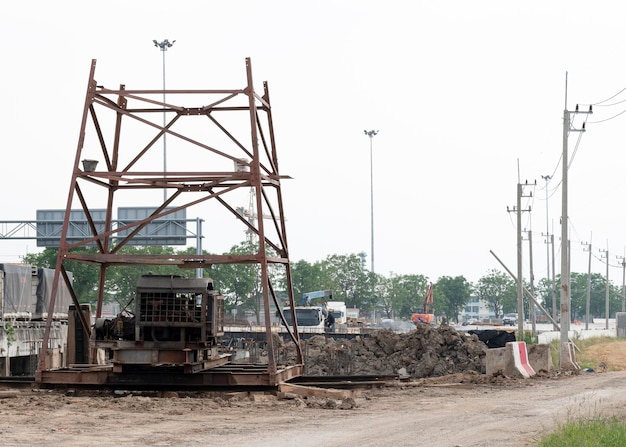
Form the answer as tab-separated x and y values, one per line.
164	45
371	134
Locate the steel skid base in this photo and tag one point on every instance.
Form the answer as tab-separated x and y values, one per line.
190	359
225	376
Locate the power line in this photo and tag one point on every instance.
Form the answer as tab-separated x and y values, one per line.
609	98
608	119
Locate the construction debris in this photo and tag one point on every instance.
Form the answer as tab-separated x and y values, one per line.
427	351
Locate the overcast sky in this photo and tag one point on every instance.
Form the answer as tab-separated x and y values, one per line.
468	99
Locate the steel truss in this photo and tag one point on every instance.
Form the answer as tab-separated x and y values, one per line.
216	159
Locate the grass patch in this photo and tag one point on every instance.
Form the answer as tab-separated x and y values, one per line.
583	428
529	338
598	431
587	355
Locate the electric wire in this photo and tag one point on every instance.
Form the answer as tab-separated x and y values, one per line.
608	119
552	189
610	105
609	98
602	104
596	257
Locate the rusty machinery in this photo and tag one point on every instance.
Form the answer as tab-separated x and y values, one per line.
176	321
221	146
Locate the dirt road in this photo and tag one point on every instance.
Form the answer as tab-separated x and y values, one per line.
437	413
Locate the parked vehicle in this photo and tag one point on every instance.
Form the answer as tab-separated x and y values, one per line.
338	310
509	319
312	314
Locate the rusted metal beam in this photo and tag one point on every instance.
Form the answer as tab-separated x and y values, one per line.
121	127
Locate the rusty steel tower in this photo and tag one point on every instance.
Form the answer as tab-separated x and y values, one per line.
221	145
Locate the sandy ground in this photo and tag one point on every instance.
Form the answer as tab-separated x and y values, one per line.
460	410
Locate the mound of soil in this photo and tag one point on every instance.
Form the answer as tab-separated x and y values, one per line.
427	351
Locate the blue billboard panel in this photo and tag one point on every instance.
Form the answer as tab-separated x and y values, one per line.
168	230
50	226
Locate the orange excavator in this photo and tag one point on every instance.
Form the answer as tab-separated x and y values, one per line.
427	316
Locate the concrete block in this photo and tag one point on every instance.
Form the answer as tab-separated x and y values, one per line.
495	361
540	358
503	360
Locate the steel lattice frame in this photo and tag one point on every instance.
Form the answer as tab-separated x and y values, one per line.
242	156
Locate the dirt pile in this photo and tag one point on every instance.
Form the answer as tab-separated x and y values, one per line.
427	351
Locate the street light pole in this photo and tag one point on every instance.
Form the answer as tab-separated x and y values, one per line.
371	134
164	45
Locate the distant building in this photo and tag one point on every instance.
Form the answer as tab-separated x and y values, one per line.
477	310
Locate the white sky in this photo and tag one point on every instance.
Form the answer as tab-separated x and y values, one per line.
466	96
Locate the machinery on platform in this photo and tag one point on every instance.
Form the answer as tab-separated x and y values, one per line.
319	296
176	322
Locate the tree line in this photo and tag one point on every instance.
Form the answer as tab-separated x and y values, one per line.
394	296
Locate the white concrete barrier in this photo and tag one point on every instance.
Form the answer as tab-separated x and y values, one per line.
577	334
520	358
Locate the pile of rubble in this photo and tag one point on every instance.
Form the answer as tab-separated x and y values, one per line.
427	351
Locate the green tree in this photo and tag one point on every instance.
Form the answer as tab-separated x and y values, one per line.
453	293
239	283
307	277
348	280
597	302
543	294
498	290
408	293
383	289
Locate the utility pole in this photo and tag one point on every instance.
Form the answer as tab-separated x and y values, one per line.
520	288
588	301
531	305
605	254
554	312
549	241
547	235
565	357
623	263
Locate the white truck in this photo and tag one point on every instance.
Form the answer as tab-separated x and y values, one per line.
338	310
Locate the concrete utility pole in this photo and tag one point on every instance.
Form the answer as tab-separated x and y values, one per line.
547	235
623	263
549	241
565	360
554	313
371	134
520	288
605	254
531	305
588	301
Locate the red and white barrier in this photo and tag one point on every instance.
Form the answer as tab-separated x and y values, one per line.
520	359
